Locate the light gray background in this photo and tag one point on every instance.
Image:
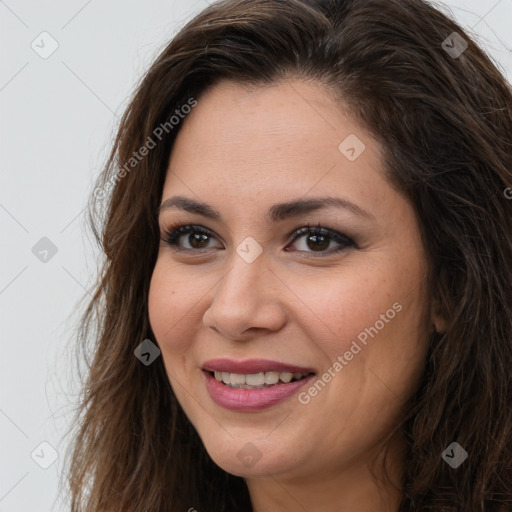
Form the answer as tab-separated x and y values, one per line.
57	118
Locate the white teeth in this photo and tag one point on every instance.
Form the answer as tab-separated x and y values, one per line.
272	377
286	376
256	380
236	379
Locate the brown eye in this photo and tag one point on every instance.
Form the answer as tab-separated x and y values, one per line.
318	239
197	239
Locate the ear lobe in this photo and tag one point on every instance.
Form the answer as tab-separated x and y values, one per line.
438	320
439	324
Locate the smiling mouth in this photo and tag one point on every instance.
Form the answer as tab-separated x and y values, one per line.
259	380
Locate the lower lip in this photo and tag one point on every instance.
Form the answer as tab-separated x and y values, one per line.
237	399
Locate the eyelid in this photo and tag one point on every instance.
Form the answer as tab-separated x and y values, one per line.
318	229
179	229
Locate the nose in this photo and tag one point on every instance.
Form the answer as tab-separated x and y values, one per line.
247	302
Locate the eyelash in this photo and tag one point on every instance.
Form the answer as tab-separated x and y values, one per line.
172	234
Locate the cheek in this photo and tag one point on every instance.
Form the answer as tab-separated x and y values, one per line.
172	302
340	305
160	297
374	317
383	335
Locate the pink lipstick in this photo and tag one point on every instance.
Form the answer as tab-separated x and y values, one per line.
253	385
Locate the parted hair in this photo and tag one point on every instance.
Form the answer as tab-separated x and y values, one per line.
444	121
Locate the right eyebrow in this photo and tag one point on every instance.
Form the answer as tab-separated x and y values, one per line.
276	213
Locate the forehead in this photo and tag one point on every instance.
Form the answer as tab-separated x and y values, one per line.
282	136
232	117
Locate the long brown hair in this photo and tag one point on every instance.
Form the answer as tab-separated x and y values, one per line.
443	114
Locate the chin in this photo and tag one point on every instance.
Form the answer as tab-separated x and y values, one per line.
249	462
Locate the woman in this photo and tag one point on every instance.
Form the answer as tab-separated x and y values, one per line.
306	298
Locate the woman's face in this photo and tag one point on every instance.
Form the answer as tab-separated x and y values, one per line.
344	311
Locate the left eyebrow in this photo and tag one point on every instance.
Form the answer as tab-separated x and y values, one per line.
278	212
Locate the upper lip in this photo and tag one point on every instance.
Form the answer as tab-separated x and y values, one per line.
249	366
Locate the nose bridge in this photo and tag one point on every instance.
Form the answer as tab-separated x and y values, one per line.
240	301
239	286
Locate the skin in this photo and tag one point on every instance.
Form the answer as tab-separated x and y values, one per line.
242	149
